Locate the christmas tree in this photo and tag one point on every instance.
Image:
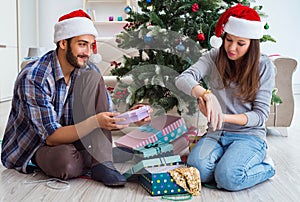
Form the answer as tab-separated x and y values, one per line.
170	36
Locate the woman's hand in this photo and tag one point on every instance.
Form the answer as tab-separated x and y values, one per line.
210	107
107	120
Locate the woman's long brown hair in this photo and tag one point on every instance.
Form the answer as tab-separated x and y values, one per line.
246	75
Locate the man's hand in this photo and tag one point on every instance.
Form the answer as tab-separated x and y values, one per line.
107	120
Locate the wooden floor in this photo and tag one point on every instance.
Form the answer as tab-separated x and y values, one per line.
284	187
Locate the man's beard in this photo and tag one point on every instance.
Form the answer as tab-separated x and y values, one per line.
72	59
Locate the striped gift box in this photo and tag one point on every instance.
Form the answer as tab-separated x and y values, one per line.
162	129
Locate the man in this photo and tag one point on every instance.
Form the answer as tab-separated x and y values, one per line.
60	118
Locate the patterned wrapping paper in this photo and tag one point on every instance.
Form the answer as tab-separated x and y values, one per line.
164	128
157	181
138	168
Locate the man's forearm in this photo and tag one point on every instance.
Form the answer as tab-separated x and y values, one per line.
69	134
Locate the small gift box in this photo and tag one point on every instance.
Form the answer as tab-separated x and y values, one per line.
156	162
134	115
180	144
194	136
154	151
164	128
157	181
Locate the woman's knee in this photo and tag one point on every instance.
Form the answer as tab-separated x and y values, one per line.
203	164
204	157
229	178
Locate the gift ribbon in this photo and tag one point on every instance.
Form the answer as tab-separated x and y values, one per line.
155	146
177	197
151	145
53	183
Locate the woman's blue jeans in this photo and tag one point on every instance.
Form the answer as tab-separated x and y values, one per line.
234	161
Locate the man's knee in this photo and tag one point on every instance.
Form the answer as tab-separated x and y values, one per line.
62	161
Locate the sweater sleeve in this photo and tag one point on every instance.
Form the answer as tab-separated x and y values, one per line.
261	105
191	77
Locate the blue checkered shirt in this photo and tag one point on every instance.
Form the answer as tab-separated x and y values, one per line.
41	104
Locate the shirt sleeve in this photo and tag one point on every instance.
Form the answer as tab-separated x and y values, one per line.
41	111
261	105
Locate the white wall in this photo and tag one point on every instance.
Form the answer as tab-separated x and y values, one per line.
27	27
49	12
283	18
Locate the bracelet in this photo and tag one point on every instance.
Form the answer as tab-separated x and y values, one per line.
205	92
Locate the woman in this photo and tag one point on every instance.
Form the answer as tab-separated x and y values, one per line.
233	152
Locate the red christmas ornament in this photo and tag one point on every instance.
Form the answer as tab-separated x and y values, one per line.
201	37
195	7
115	63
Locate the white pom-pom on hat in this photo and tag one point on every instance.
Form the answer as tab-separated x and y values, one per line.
95	58
215	41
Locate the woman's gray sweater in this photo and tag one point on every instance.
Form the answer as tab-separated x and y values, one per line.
256	111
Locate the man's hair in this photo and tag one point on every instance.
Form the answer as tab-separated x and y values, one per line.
68	40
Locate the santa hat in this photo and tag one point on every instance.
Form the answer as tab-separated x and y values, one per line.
239	20
74	24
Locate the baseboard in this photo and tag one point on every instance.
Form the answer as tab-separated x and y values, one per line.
296	89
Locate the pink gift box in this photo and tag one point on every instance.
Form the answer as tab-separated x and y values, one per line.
163	129
134	115
181	143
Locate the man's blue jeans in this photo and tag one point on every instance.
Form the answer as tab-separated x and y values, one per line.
234	161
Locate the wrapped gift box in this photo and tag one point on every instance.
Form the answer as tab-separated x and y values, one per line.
164	128
154	151
138	168
194	135
134	115
157	181
181	143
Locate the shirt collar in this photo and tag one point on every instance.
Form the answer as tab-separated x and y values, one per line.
58	74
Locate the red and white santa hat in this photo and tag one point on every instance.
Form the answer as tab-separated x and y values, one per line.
239	20
73	24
